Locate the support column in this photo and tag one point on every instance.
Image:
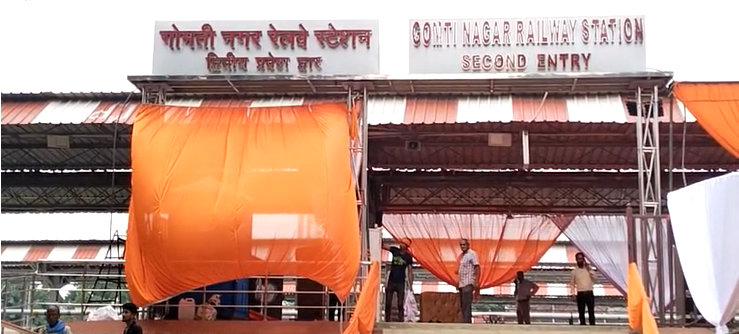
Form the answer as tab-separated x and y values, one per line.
650	225
357	91
647	136
364	179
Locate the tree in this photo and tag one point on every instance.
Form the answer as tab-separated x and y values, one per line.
82	295
16	294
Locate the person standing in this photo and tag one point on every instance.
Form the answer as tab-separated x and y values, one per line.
400	266
581	282
129	315
468	273
53	324
525	289
335	308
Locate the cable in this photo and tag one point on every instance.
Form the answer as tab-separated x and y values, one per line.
113	158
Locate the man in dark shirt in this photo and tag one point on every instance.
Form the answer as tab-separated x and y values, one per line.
525	289
130	313
401	262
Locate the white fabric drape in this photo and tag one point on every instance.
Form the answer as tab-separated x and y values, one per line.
604	242
705	223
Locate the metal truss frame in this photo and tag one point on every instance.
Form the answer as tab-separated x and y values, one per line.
514	192
650	193
651	244
393	191
65	199
512	199
358	146
648	148
571	150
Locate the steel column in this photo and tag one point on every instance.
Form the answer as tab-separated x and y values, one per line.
647	136
364	179
655	262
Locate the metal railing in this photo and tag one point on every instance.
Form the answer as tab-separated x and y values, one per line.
25	296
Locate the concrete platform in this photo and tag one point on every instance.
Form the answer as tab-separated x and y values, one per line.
211	327
434	328
324	327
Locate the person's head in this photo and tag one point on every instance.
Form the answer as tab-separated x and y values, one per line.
519	275
404	244
130	311
52	315
580	259
464	245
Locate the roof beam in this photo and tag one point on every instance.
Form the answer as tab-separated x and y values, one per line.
517	179
394	179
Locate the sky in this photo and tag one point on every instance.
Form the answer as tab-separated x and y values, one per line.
85	45
77	226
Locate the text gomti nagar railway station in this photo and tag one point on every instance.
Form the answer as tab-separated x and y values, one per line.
451	46
523	45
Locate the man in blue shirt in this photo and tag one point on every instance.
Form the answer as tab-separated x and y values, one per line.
400	265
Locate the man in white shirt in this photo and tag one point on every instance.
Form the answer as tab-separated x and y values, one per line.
469	275
581	284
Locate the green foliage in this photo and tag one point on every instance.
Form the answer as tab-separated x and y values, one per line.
16	294
82	295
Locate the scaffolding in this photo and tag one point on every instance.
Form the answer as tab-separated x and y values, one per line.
109	283
651	244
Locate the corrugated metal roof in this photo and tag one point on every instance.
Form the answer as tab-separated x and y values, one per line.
596	109
32	252
382	110
21	112
86	252
386	110
36	253
484	109
531	109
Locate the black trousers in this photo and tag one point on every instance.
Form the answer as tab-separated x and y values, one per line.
334	308
523	312
586	298
390	289
465	302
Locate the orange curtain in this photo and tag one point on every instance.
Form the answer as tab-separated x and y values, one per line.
640	315
716	108
363	320
224	193
503	244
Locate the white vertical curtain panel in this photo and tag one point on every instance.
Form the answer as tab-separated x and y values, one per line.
603	240
705	223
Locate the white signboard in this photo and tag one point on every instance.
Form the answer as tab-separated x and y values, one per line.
266	48
533	45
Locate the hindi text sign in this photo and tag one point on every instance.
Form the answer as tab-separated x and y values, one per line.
266	48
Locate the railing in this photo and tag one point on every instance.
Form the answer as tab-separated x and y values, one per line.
26	296
13	328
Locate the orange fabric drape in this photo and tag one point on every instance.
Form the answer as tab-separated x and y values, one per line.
224	193
640	316
363	319
716	108
504	245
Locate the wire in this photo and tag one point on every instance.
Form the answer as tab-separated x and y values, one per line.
113	158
